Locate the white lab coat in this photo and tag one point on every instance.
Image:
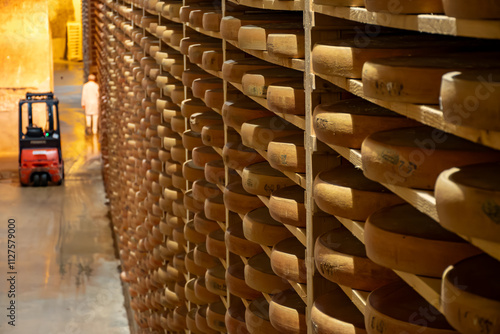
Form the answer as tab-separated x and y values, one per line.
90	98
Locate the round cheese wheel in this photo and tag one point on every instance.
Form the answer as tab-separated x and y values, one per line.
237	243
414	157
287	312
179	263
477	93
260	276
202	258
191	321
193	106
286	205
192	267
163	155
191	172
236	285
485	10
173	222
191	204
180	314
235	318
255	82
178	153
347	123
191	139
186	10
341	258
215	209
262	179
177	70
192	235
345	192
179	182
213	135
186	42
203	293
334	312
216	245
204	225
253	37
288	153
188	76
196	17
178	124
238	156
288	44
257	318
470	295
234	69
203	189
230	25
261	228
237	112
257	133
418	79
172	167
171	297
214	97
416	243
199	120
405	6
468	201
215	280
215	316
288	260
287	97
212	60
214	172
200	86
172	194
204	154
393	307
171	141
238	200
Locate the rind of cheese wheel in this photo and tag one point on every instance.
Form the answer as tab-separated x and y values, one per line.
236	285
345	57
483	10
165	103
171	297
334	312
192	267
286	205
204	225
191	139
190	293
199	120
172	166
191	322
191	172
347	123
193	106
196	17
237	243
177	70
287	312
477	93
238	156
172	194
468	201
344	191
262	179
192	235
178	208
179	263
213	135
405	6
287	97
170	141
414	157
215	244
202	292
188	76
163	155
200	86
234	69
178	124
214	172
204	154
202	258
416	243
186	43
255	83
178	181
214	98
174	221
341	258
474	284
191	204
257	318
180	314
289	45
392	307
202	189
237	112
261	228
238	200
418	79
235	318
288	153
288	260
178	153
230	25
211	20
212	60
215	209
215	316
252	37
258	133
216	281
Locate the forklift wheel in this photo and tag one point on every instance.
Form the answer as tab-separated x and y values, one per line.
36	180
43	180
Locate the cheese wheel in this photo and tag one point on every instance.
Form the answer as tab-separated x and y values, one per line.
191	139
345	192
288	153
341	3
190	293
215	280
252	37
179	263
204	154
214	98
256	82
200	86
477	93
235	318
261	228
191	321
262	179
191	204
172	140
234	69
172	194
196	17
215	244
180	314
257	318
202	189
165	129
347	123
287	97
236	285
287	312
192	267
212	60
468	201
171	297
418	79
341	258
215	316
163	155
230	25
192	235
178	181
211	20
178	124
288	44
257	133
177	69
203	293
405	6
215	209
238	200
173	221
392	309
238	156
193	106
286	205
172	166
214	172
178	153
470	293
191	172
213	135
237	112
202	258
191	75
485	10
186	10
416	243
204	225
288	260
334	312
414	157
199	120
237	243
186	42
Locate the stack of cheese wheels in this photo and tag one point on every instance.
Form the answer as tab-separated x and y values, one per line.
468	201
237	112
287	312
237	243
238	156
286	205
235	318
191	321
191	234
190	292
334	312
262	179
201	321
393	307
261	228
346	57
192	74
216	313
405	6
402	238
418	79
230	25
255	37
347	123
258	133
198	120
216	281
414	157
238	200
473	283
341	258
200	86
236	284
485	10
288	153
234	69
345	192
461	89
192	267
256	82
257	318
287	97
288	260
260	276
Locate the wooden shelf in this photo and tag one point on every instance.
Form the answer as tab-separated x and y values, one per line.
297	5
358	297
215	34
173	19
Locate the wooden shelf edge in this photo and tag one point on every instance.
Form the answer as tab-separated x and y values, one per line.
214	34
301	290
299	233
429	288
272	4
358	297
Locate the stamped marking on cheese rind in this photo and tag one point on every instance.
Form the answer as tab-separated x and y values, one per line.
492	210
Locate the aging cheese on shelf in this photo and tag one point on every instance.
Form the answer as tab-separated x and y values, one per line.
201	321
191	139
215	209
341	258
345	192
211	20
347	123
236	285
238	156
178	153
472	98
256	82
255	37
212	60
261	228
473	285
191	204
235	318
193	106
287	312
258	133
216	281
216	245
238	200
262	179
202	155
468	201
414	157
257	318
402	238
199	120
191	172
287	97
405	6
213	135
481	10
288	260
237	243
202	258
191	75
204	225
180	314
234	69
288	153
391	310
178	181
192	267
202	292
237	112
230	25
286	44
190	293
214	172
191	321
192	235
202	189
215	316
286	205
200	86
178	124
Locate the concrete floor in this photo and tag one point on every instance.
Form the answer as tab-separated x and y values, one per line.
67	277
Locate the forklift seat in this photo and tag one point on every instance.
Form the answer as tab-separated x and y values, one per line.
34	132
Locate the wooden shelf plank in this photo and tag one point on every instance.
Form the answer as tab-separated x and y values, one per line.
224	300
299	233
173	19
427	287
301	290
490	247
357	228
358	297
214	34
222	226
297	5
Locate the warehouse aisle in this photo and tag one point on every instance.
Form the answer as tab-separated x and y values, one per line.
66	278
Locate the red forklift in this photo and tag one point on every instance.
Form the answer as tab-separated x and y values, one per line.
40	156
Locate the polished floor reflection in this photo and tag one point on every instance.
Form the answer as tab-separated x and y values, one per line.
67	278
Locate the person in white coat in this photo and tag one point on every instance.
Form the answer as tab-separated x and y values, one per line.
90	103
